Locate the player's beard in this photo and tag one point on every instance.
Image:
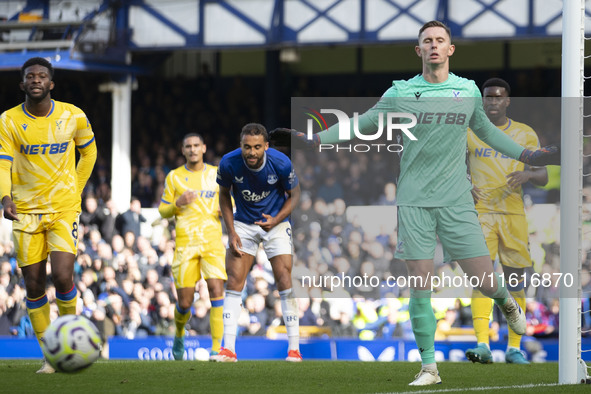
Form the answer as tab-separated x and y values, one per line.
39	96
256	165
193	162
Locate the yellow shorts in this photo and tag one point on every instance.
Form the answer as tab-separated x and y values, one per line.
36	235
507	236
193	262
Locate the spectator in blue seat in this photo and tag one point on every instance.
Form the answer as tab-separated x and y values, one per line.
199	322
259	317
307	318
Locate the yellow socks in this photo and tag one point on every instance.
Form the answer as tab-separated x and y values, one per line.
216	322
38	309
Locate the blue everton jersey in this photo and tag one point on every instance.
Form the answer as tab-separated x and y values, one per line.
257	191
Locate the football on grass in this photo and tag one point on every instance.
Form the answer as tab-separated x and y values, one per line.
71	343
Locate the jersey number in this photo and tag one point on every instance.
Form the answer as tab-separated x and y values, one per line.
75	233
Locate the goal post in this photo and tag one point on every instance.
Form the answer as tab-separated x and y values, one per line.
571	368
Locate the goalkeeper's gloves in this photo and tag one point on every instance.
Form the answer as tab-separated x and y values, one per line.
293	138
548	155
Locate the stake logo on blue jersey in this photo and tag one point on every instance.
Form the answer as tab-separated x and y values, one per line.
257	191
247	195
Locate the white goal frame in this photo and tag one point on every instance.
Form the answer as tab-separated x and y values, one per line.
571	368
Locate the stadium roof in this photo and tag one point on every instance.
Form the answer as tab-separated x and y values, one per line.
98	35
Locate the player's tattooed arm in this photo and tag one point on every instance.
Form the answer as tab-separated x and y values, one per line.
271	221
234	241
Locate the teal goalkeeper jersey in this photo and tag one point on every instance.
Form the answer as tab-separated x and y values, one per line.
433	167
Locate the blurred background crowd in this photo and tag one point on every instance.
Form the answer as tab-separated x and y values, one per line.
123	271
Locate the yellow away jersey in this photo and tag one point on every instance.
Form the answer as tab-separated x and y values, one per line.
43	155
197	223
489	169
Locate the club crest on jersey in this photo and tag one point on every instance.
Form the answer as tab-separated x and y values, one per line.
58	124
272	179
239	179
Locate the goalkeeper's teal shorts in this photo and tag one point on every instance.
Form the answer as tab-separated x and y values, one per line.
457	226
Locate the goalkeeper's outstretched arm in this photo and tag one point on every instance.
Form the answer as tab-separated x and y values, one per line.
548	155
491	135
332	135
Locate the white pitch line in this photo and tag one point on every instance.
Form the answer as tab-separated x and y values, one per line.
455	390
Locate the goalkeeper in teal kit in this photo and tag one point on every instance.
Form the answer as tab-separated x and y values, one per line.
433	194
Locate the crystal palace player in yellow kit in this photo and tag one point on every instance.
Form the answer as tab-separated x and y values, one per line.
497	180
191	196
40	188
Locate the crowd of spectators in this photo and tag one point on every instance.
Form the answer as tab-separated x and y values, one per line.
123	275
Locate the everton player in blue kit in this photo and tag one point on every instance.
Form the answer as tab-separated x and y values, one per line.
265	188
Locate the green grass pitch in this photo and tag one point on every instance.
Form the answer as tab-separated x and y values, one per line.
335	377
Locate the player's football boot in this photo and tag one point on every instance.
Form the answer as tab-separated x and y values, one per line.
227	356
480	354
214	356
294	356
46	367
514	356
178	348
514	315
426	377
